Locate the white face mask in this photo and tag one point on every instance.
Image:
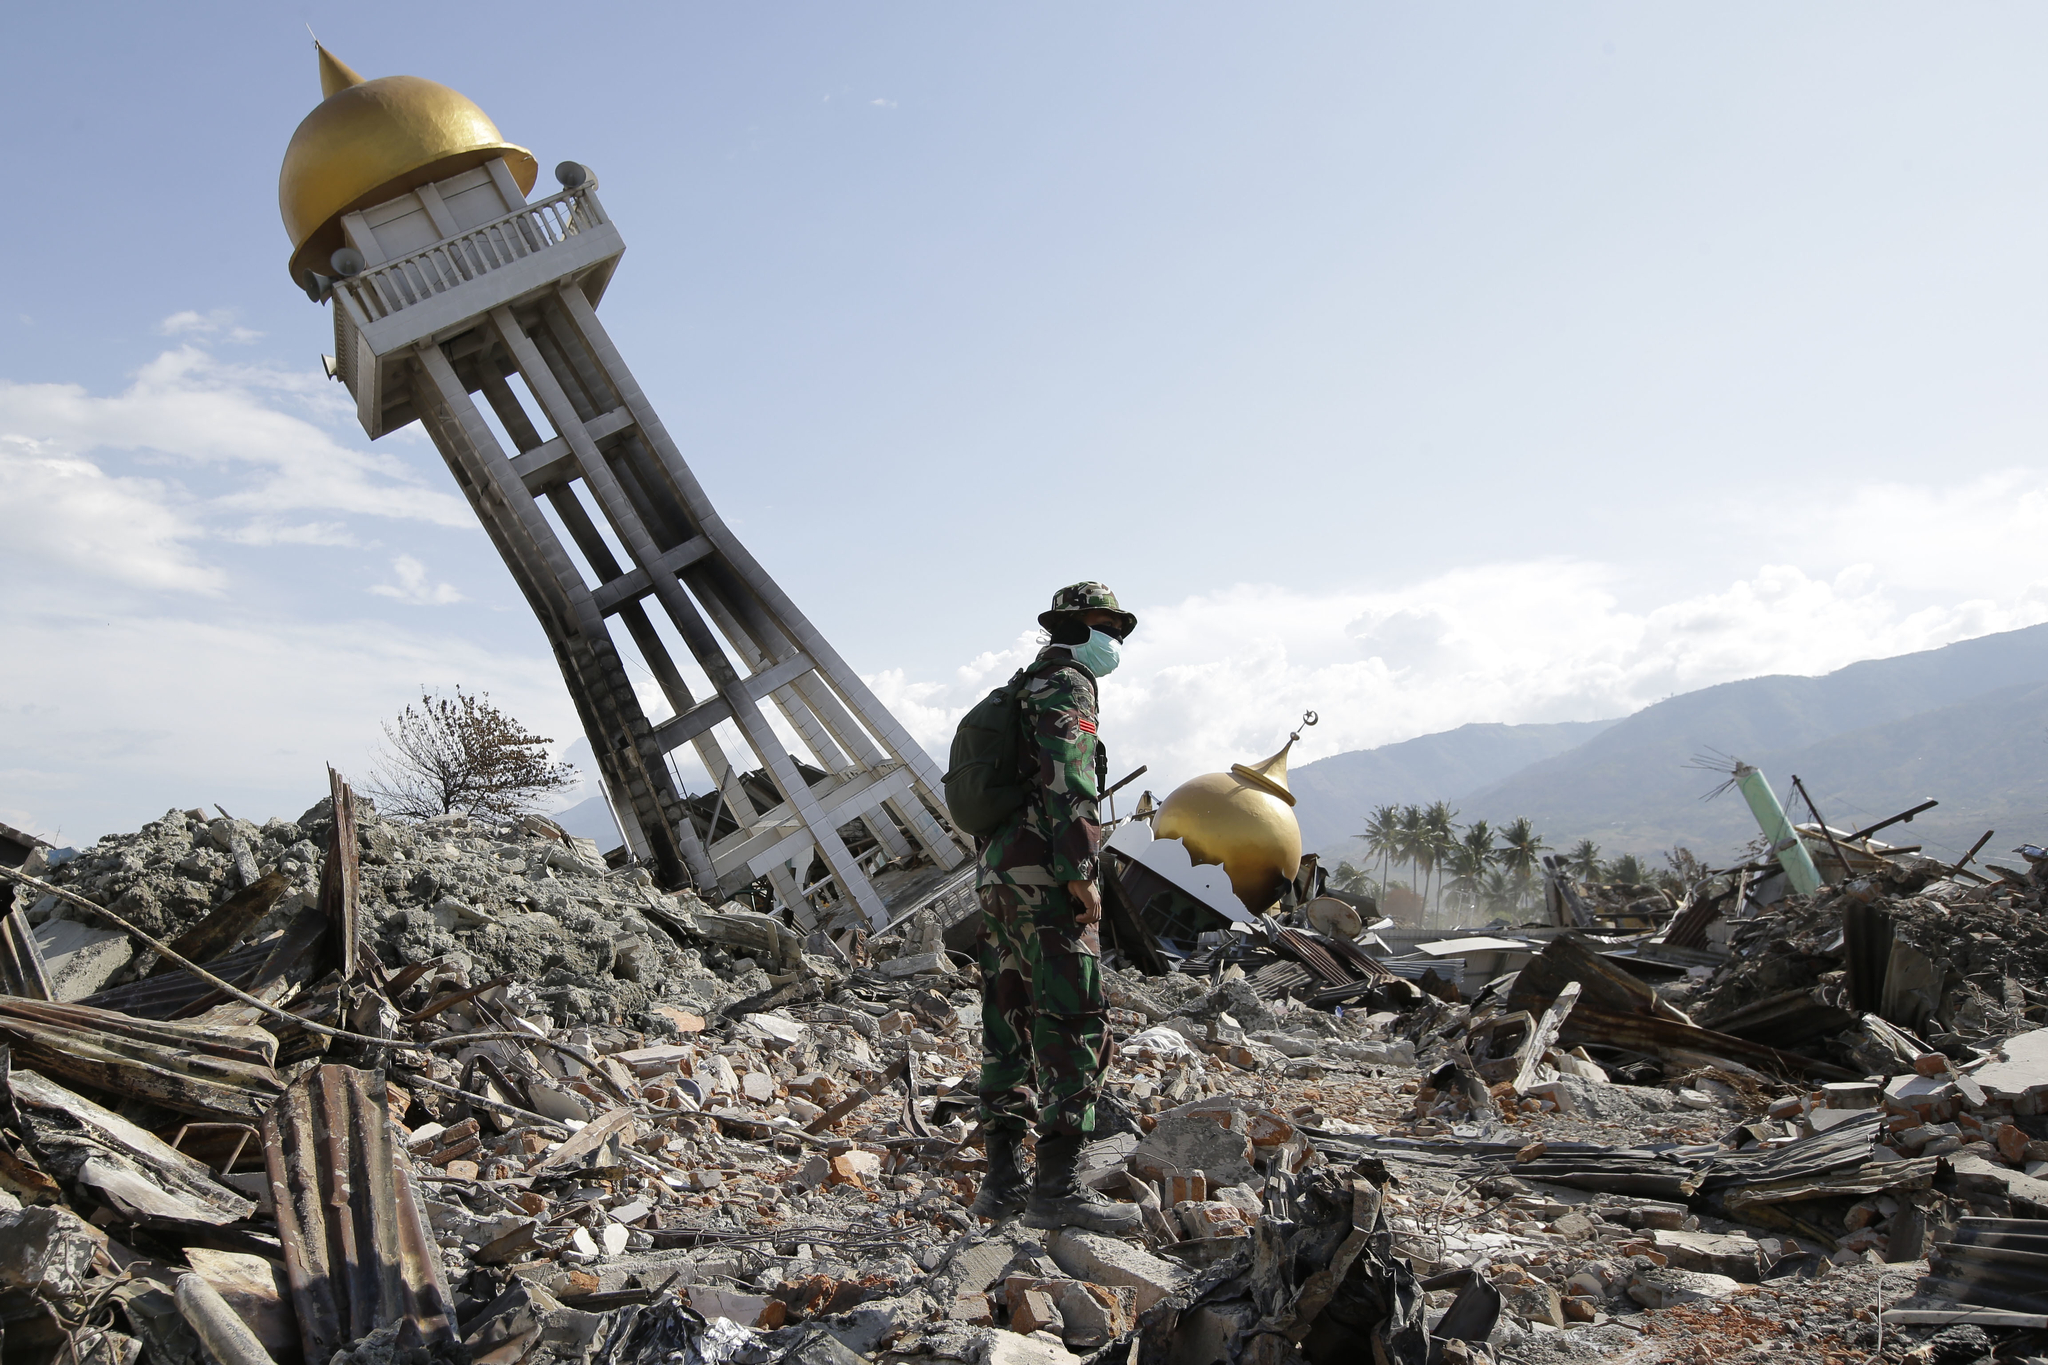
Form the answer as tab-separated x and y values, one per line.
1100	654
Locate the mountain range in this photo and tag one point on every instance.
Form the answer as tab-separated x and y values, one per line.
1966	724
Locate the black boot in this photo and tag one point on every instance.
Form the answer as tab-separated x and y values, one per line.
1058	1200
1004	1187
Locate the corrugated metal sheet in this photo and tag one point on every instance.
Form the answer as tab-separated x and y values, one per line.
1994	1263
356	1247
168	994
208	1071
1329	958
1450	969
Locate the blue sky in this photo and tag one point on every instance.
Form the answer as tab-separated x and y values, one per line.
1418	364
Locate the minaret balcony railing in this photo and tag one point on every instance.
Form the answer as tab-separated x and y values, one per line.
398	302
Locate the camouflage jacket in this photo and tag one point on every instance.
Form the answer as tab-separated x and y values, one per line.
1055	836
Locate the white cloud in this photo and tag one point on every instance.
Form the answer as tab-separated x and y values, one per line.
412	587
1962	537
266	532
220	322
189	409
112	719
1224	676
110	707
62	517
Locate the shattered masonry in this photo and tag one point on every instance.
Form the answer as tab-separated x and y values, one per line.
659	1126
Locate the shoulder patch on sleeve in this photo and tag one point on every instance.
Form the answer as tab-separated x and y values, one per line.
1087	725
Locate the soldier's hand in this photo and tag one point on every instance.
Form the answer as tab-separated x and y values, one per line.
1089	898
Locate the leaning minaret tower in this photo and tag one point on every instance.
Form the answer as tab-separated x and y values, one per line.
409	216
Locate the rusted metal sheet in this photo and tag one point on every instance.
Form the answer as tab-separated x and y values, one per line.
1331	963
341	876
232	918
1363	964
272	968
1662	1037
167	994
299	956
128	1167
209	1071
21	961
356	1247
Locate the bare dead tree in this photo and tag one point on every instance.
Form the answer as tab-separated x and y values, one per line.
462	754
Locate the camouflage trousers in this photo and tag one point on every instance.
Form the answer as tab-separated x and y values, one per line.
1044	1032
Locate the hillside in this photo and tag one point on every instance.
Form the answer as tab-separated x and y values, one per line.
1967	723
1860	736
1335	793
1982	758
590	817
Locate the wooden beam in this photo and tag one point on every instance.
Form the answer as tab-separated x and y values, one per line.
1543	1035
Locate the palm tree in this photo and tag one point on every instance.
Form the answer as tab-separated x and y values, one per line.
1521	850
1440	834
1351	880
1470	856
1408	840
1478	840
1628	869
1465	872
1383	837
1498	893
1584	860
1682	871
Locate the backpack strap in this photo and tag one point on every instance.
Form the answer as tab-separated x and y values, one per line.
1027	768
1046	666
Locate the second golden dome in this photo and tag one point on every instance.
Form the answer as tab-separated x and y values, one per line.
1242	819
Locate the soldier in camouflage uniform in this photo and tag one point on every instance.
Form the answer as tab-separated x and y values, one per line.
1045	1032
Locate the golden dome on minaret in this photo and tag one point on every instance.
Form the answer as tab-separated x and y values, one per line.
369	141
1243	819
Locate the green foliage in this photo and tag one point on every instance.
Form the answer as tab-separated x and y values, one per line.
1521	849
1628	870
1682	872
1478	846
1352	881
1470	857
1383	838
1483	869
1499	897
1490	871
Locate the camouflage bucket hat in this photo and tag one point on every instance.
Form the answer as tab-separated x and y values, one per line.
1082	597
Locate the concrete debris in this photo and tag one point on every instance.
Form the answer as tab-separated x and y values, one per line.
464	1089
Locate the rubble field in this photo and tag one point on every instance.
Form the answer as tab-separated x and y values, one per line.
341	1089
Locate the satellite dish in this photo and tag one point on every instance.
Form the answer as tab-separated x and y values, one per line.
1332	917
572	175
347	261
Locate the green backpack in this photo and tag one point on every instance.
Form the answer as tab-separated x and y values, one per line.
984	786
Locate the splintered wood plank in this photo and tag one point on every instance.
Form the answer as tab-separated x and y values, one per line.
1544	1036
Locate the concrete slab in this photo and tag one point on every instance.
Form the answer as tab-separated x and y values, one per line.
1733	1255
2024	1068
80	959
1106	1261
